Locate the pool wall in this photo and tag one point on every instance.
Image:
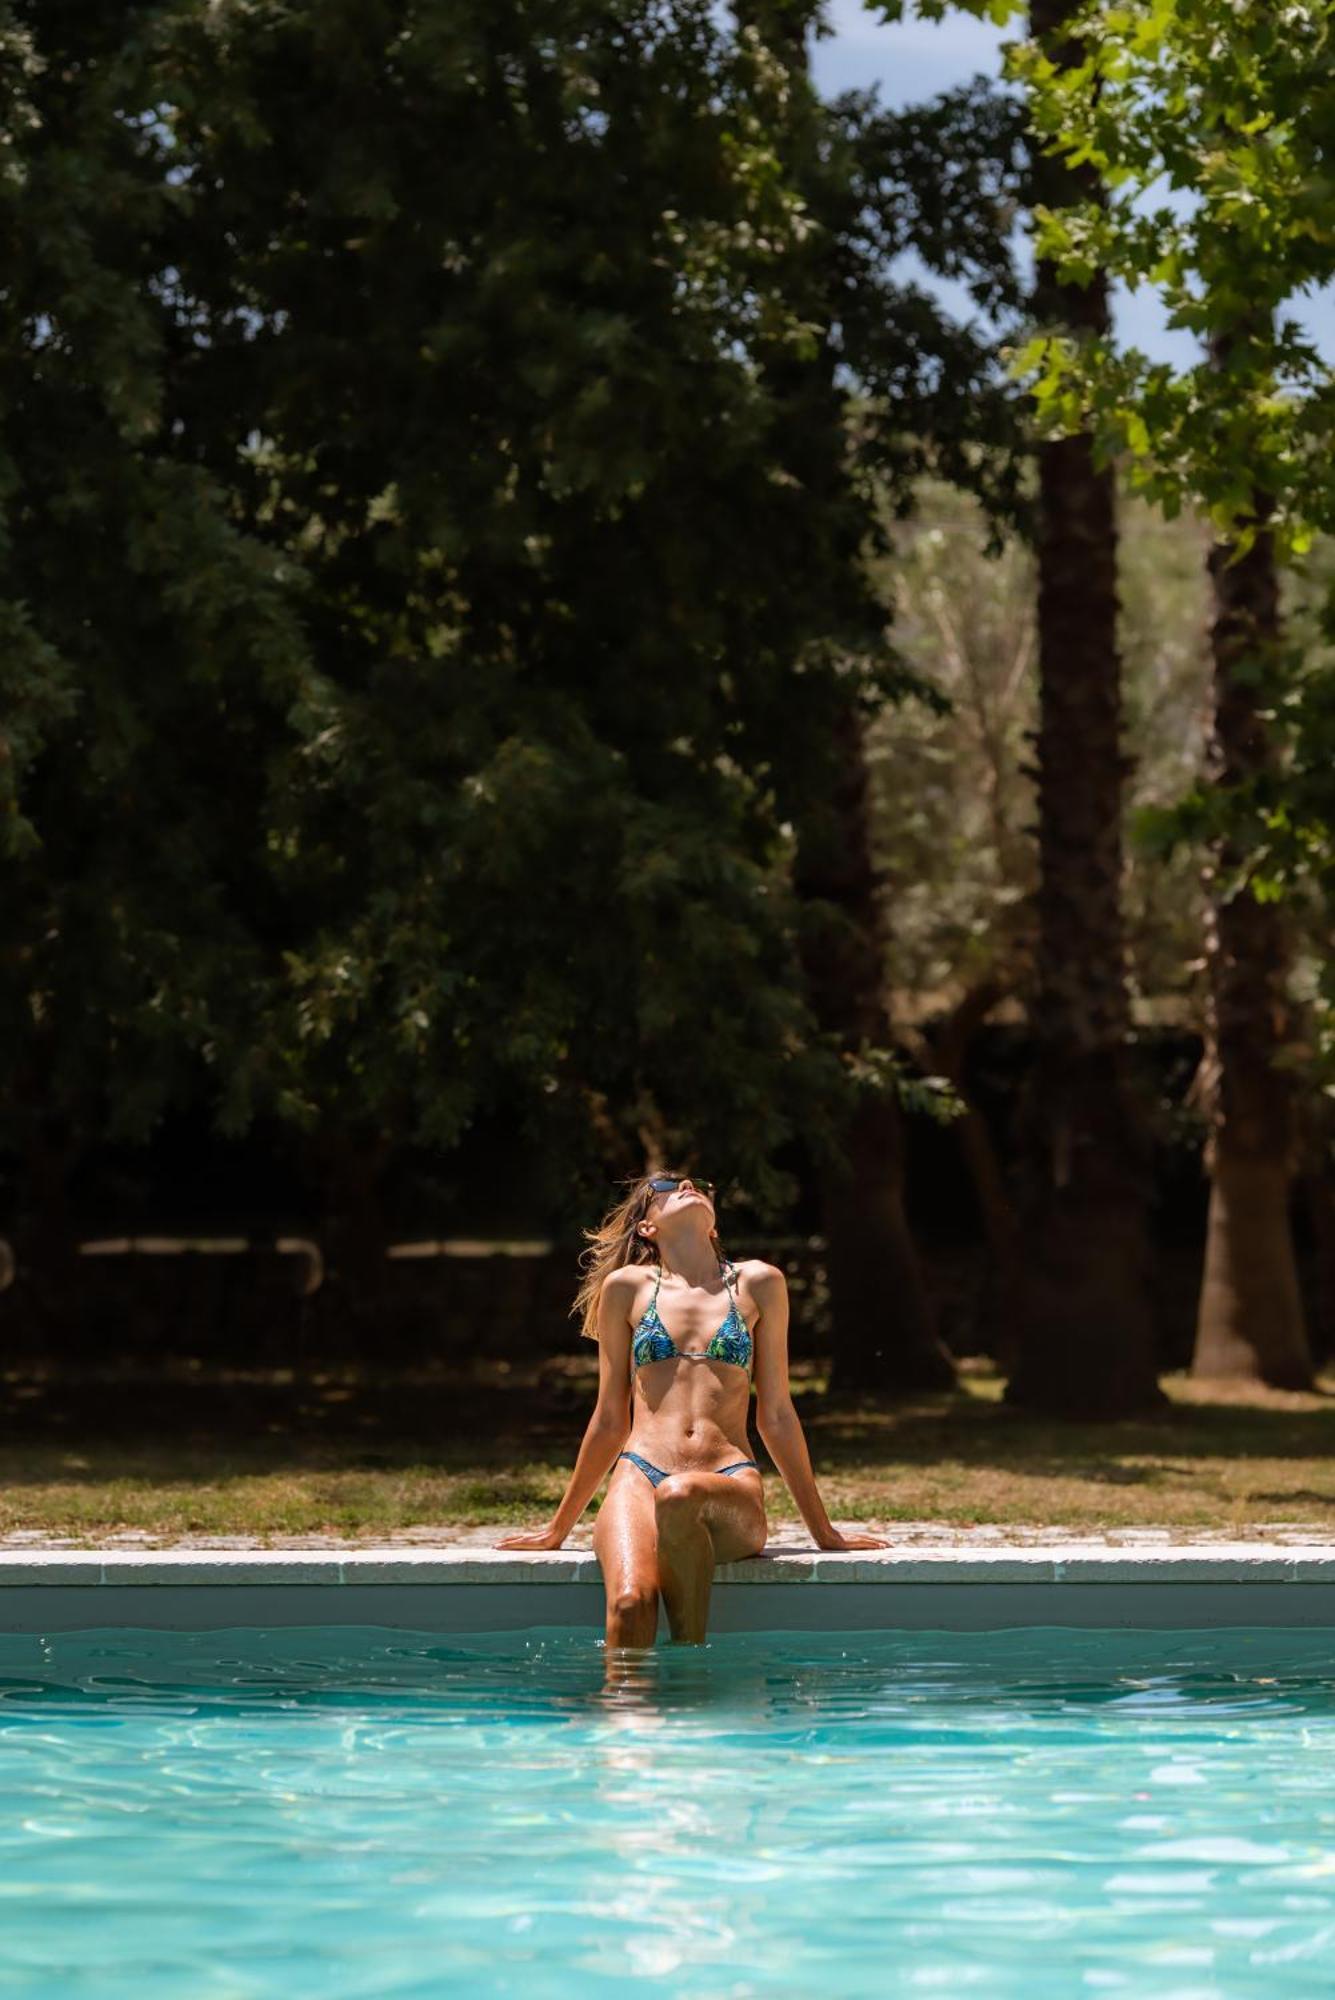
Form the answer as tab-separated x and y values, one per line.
467	1590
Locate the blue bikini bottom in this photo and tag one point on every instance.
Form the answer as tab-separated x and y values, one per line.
655	1474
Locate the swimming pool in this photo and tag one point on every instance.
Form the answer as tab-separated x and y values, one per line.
358	1811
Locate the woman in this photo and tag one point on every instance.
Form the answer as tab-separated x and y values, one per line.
679	1328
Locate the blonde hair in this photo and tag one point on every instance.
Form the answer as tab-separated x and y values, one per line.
615	1242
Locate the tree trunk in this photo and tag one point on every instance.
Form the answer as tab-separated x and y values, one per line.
1084	1335
949	1045
882	1324
1251	1320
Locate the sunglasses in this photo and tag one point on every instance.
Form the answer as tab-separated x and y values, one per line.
666	1183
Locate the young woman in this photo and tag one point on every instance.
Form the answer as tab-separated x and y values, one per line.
679	1328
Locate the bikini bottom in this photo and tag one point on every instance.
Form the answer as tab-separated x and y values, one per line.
655	1474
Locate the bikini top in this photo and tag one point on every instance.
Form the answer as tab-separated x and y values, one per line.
651	1340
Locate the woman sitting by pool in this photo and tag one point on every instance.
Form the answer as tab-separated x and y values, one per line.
670	1419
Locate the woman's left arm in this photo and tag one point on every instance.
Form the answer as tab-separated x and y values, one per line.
777	1421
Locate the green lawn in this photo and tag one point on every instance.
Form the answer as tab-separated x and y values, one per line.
209	1453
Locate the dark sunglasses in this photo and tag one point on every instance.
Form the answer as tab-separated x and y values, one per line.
666	1183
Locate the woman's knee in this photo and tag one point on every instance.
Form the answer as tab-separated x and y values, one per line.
635	1597
677	1500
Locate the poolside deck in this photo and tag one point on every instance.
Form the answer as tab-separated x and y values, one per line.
1135	1579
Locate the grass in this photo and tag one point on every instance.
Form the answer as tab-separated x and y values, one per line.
199	1453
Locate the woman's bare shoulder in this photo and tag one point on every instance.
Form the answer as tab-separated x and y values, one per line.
760	1276
626	1278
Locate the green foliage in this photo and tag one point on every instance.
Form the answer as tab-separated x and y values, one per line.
1208	125
944	180
428	590
413	608
137	610
952	787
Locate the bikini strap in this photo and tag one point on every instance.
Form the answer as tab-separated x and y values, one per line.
652	1307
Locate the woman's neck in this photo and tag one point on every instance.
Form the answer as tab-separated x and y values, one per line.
694	1262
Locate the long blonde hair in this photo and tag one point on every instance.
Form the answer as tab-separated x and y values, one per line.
617	1241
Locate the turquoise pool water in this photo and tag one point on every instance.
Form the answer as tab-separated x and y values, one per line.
342	1812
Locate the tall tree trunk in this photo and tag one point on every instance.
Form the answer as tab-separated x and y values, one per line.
882	1322
947	1047
1085	1331
1250	1322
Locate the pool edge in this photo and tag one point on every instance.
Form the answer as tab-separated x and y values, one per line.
464	1589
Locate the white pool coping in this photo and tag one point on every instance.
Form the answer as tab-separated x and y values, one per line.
1077	1583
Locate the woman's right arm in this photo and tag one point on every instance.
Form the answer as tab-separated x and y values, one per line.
608	1427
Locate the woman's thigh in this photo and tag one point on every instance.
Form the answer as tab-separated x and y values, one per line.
625	1534
733	1510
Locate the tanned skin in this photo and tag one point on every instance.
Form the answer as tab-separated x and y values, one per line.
690	1418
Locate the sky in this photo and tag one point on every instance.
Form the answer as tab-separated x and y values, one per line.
914	60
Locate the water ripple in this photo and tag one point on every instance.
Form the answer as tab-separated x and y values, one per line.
347	1813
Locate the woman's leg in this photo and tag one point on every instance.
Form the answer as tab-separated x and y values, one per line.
703	1518
625	1541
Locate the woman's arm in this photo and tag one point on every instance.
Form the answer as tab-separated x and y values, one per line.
777	1421
608	1427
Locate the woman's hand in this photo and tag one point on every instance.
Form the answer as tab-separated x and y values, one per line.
533	1538
855	1542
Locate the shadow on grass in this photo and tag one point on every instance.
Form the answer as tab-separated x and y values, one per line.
981	1431
491	1433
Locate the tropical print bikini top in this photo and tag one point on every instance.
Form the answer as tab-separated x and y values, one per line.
651	1340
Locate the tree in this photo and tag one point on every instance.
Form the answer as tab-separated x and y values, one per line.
1084	1320
1231	103
425	362
882	1332
617	606
1085	1260
954	793
954	809
1251	1319
926	394
154	645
